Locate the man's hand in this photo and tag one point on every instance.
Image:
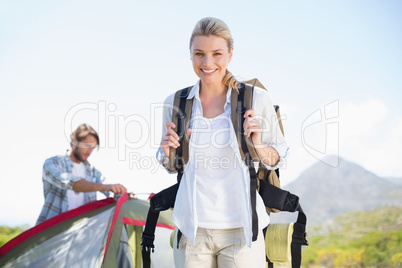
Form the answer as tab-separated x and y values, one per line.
117	188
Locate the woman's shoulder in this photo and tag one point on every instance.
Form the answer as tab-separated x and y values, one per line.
261	92
170	99
261	96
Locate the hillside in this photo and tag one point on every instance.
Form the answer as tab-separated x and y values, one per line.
357	239
326	192
394	180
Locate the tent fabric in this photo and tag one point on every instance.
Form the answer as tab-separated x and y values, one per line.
33	238
70	248
135	212
100	234
62	218
120	202
124	256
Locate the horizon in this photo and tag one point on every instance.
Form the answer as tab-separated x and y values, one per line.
333	68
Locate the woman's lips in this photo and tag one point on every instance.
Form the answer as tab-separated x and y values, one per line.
208	71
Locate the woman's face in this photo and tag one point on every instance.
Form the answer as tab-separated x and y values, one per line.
210	56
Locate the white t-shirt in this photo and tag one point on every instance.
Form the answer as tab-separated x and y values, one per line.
76	199
218	180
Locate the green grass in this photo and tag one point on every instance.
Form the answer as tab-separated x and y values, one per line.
8	233
359	239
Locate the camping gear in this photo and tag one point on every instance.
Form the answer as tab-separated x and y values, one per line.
265	181
283	242
104	233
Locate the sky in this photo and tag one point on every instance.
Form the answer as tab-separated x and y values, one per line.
334	68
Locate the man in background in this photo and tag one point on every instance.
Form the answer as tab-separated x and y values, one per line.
70	181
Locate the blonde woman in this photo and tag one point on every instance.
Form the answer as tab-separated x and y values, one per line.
212	207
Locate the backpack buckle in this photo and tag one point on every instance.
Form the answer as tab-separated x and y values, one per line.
241	110
147	243
180	115
305	242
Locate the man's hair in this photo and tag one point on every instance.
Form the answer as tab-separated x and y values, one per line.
82	132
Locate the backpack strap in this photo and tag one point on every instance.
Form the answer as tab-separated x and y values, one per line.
245	146
159	202
278	115
245	93
248	104
282	200
181	118
165	199
254	82
299	238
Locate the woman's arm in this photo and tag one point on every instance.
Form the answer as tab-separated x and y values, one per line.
169	137
261	123
252	127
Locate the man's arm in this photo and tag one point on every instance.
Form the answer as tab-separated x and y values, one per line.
87	186
55	173
106	188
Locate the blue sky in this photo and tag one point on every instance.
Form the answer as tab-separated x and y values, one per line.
334	67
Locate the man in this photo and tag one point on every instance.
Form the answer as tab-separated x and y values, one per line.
69	181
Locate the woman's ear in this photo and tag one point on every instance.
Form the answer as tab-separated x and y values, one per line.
230	54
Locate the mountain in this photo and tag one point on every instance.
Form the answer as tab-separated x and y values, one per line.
326	192
394	180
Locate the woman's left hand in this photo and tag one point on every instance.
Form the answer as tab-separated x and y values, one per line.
252	127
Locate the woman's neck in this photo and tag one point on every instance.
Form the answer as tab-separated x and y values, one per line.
213	98
208	91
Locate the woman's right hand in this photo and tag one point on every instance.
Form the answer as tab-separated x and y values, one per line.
171	139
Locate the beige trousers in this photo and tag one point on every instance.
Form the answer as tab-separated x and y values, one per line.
219	248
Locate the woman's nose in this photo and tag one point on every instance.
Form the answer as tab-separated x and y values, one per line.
207	60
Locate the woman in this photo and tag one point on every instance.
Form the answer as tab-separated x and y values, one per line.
212	207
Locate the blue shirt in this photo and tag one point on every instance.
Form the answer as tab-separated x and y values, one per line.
57	177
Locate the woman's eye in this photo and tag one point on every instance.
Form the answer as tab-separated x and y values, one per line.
217	54
198	54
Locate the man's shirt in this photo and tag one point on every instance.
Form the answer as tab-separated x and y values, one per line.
57	178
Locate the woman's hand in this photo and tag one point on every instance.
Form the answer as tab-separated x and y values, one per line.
252	127
171	139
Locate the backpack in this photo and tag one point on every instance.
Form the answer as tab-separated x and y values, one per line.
265	181
240	102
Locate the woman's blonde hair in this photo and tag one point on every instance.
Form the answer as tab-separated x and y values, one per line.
216	27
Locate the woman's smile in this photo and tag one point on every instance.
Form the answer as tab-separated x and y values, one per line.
208	71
